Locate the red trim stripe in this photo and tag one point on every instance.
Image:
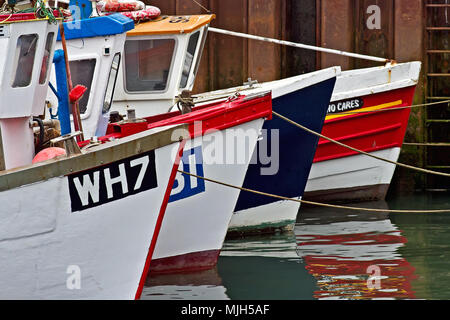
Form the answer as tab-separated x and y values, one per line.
162	211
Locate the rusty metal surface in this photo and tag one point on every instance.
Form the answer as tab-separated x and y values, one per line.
336	31
264	59
378	42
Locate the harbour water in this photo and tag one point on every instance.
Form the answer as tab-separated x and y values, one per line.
331	254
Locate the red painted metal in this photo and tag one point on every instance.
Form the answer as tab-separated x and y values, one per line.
369	131
15	17
195	261
218	116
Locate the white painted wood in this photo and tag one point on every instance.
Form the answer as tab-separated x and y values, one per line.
280	213
42	240
353	171
199	223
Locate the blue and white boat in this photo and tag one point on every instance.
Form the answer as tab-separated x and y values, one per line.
285	153
304	99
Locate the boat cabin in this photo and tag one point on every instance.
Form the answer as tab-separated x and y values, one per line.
160	60
144	69
95	53
26	50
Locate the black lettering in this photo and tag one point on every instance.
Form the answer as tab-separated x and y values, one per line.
113	181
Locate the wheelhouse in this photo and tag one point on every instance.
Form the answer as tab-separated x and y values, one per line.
161	59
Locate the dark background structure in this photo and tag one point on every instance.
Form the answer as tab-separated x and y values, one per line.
411	30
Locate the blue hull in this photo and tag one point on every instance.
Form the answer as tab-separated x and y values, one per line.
307	106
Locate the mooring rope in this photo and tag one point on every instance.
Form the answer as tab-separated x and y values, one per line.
418	144
335	206
360	151
398	108
300	45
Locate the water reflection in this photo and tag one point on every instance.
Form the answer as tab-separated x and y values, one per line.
204	285
354	255
265	268
329	256
255	268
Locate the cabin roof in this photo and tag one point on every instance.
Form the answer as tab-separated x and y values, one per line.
171	24
97	27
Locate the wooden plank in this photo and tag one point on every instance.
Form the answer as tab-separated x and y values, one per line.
336	31
301	28
190	7
228	59
264	59
168	7
376	41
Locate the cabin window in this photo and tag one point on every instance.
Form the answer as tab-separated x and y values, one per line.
111	83
189	59
147	64
46	59
24	60
82	72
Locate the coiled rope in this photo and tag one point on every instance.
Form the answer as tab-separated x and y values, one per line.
310	202
39	8
443	174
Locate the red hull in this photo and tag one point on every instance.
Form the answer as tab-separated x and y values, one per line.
369	131
195	261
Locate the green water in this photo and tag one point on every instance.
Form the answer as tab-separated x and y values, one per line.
332	254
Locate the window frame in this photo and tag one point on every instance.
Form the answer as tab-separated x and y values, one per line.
15	67
49	63
170	81
94	81
194	58
119	54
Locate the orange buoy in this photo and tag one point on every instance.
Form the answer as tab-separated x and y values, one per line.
49	153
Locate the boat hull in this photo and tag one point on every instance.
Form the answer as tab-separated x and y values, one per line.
371	119
223	138
190	240
87	233
306	105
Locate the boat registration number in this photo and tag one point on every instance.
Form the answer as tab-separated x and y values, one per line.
113	181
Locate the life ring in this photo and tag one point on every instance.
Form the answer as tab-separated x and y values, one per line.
149	13
119	5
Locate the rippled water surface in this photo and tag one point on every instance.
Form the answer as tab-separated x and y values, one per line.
332	254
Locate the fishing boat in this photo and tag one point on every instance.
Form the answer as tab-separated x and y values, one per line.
198	211
67	230
89	224
305	99
369	111
174	46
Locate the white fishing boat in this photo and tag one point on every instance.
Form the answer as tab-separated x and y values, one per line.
66	228
198	211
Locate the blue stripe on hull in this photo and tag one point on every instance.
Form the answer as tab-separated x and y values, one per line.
307	106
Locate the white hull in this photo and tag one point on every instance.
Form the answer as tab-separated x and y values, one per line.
280	214
204	225
353	171
50	251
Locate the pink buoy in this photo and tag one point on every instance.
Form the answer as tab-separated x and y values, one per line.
49	153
